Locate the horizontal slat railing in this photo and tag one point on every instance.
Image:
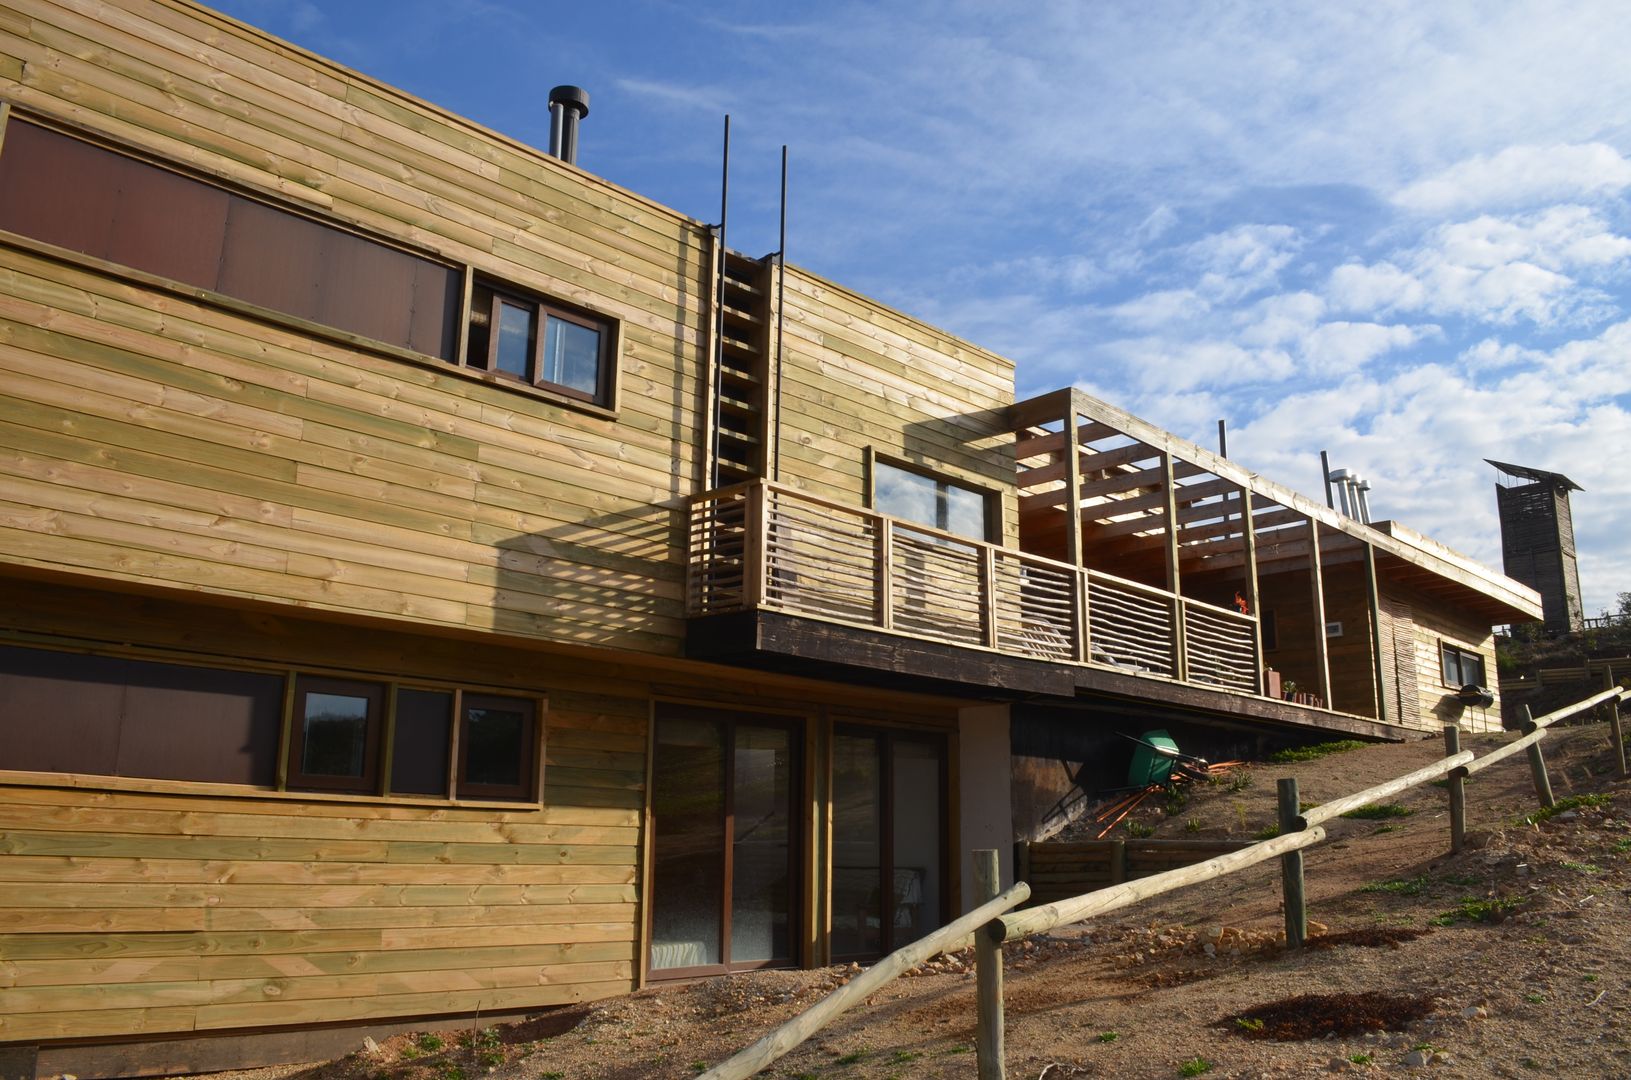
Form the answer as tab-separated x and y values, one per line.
762	545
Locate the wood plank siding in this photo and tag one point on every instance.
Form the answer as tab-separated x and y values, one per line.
236	907
190	476
153	438
205	467
857	377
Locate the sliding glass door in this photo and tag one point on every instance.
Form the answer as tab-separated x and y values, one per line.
724	866
889	839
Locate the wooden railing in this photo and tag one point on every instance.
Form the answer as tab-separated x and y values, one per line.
762	546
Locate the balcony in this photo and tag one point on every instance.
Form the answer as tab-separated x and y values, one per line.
763	547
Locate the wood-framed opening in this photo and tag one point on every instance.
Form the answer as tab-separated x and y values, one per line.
891	871
937	501
334	734
727	841
530	339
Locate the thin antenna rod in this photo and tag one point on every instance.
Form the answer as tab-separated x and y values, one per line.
1325	467
781	297
719	301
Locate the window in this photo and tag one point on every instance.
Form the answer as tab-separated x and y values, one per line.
929	499
889	836
72	192
1461	667
334	734
535	341
84	197
72	712
338	731
496	747
69	712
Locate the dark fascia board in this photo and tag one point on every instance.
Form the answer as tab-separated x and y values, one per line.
789	643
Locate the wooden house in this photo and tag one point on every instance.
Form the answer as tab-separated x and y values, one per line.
427	591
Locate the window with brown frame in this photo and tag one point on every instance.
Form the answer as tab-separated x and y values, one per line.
497	746
926	497
76	191
334	735
77	194
539	342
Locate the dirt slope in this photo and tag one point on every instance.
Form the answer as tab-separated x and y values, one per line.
1511	957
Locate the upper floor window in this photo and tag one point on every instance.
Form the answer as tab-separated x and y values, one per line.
74	193
930	499
539	342
1461	667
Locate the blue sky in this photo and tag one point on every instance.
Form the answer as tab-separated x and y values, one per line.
1397	232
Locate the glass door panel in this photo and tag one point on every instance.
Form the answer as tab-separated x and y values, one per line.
916	824
688	862
857	847
725	844
889	840
761	882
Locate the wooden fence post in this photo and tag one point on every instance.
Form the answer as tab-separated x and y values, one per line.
1614	724
1456	782
1291	867
988	1041
1537	762
1118	861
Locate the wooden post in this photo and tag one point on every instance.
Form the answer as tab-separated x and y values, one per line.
1322	655
988	1042
1291	868
1073	483
1537	762
1180	648
1615	727
1456	782
988	596
1022	860
1374	596
756	545
883	573
1118	861
1248	536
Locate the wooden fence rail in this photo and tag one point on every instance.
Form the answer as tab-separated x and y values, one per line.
995	921
790	1034
1301	830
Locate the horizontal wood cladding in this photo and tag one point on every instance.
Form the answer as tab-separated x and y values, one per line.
855	376
143	907
151	438
125	912
1433	624
173	443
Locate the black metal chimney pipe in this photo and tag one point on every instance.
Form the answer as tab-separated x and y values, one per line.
567	105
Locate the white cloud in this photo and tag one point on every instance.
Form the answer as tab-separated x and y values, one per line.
1491	354
1340	347
1519	176
1243	260
1156	310
1491	269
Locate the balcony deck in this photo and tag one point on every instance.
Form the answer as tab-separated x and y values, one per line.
797	575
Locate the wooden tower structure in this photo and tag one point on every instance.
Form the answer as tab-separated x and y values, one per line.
1537	540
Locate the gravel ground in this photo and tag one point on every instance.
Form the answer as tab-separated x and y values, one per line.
1507	960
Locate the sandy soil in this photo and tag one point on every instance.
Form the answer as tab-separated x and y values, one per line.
1510	957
